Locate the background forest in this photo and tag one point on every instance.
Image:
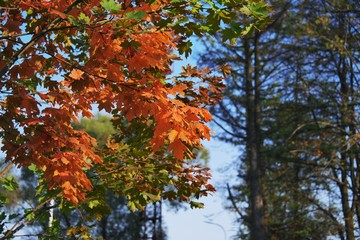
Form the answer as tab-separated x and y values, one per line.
290	105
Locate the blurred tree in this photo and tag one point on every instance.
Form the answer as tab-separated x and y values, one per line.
290	104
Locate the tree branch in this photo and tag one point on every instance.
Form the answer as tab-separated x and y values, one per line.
33	40
231	197
18	225
6	169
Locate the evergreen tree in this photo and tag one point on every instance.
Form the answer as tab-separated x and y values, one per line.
291	103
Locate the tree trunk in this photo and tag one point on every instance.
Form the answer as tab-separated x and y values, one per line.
345	157
257	213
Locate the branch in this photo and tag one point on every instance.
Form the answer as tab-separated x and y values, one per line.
16	228
33	40
344	11
326	212
223	128
277	17
8	37
234	204
132	86
6	169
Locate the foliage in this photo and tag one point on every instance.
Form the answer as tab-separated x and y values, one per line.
303	74
60	58
115	221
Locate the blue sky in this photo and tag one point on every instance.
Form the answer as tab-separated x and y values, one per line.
191	224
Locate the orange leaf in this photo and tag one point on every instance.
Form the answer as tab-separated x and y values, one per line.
76	74
65	160
178	89
183	136
56	173
205	114
177	117
58	13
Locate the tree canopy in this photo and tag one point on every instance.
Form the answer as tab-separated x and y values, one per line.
62	59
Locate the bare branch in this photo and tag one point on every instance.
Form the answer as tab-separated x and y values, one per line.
6	169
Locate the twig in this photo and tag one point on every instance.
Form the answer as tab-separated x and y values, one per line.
8	167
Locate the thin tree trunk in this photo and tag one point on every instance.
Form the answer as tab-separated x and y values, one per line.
345	157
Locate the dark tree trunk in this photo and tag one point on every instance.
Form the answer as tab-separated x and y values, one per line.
257	210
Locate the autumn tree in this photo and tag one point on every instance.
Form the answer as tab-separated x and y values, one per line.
60	59
120	222
116	222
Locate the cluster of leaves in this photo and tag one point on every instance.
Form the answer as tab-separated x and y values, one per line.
61	58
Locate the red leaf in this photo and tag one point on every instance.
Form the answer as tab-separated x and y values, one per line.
58	13
178	149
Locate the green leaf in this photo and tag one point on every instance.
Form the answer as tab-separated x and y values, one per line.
73	20
152	197
259	9
185	47
196	204
84	18
248	30
2	216
94	203
9	183
3	199
31	215
163	23
224	14
32	167
227	34
132	206
135	15
13	216
110	5
245	10
164	172
233	41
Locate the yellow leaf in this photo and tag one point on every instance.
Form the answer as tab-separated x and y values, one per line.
172	135
65	161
